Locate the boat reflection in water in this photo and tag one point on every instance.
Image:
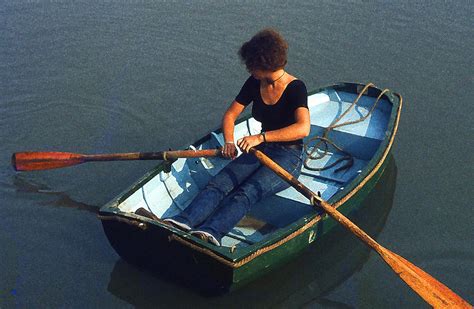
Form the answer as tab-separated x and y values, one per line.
44	195
307	278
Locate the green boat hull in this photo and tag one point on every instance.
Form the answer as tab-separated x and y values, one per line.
177	256
152	250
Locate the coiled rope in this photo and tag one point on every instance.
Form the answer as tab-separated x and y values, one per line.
324	139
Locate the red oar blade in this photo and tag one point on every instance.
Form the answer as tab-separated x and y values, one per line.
431	290
35	161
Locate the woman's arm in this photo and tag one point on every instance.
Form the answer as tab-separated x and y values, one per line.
295	131
228	123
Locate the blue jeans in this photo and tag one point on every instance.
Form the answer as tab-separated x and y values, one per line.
243	182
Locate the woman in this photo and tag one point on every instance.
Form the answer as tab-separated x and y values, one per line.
280	104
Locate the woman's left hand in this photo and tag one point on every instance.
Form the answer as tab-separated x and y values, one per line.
247	142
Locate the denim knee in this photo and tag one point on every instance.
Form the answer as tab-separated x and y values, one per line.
241	198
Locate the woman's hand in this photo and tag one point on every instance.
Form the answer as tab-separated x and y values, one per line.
247	142
229	150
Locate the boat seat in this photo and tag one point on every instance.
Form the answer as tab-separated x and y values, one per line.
326	107
248	231
360	139
280	210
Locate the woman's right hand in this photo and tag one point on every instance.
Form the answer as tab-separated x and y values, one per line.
229	150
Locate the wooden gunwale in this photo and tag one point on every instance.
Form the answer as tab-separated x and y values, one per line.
340	201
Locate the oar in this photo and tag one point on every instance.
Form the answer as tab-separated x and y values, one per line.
34	161
431	290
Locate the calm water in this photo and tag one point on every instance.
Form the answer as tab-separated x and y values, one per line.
136	75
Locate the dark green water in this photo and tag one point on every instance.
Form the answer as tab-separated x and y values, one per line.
119	76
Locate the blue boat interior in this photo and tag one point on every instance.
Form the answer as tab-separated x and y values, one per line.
167	194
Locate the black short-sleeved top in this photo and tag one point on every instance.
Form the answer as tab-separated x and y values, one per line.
282	113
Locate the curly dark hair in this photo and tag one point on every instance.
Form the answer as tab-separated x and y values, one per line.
267	50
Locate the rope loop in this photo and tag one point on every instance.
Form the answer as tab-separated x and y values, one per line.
324	139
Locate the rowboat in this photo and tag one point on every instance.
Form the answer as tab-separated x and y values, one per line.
354	125
326	266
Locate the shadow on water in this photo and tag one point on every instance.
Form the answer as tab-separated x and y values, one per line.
303	281
60	199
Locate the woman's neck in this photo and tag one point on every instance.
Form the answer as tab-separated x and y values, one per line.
274	78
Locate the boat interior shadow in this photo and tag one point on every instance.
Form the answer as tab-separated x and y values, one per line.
51	197
305	280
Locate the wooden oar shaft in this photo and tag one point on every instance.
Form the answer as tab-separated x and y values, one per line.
160	155
34	161
431	290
